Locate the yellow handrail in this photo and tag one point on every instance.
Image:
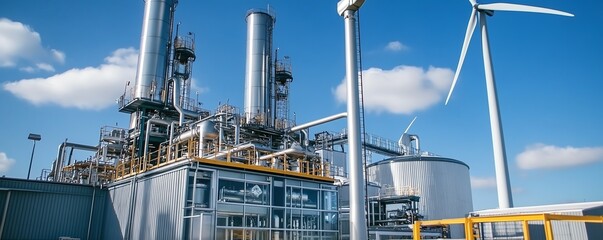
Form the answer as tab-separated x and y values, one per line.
523	218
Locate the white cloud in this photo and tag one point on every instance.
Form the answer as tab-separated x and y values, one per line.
540	156
5	162
19	42
401	90
395	46
86	88
478	182
58	55
45	67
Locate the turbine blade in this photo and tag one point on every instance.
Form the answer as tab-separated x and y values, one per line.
468	34
473	2
521	8
410	125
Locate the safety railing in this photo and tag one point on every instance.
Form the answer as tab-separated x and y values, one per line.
250	157
469	223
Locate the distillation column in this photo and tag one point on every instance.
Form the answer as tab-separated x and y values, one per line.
258	74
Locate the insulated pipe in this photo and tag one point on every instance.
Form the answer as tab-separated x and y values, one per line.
319	121
176	95
146	137
416	139
237	148
61	156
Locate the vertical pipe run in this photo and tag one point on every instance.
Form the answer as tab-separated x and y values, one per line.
358	228
503	186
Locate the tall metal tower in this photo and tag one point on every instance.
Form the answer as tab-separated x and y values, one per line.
282	79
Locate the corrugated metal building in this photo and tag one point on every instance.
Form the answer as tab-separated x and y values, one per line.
443	184
50	210
189	200
564	230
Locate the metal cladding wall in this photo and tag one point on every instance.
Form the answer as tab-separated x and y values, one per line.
567	230
153	210
443	184
49	210
258	70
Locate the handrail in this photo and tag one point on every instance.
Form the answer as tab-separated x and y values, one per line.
523	218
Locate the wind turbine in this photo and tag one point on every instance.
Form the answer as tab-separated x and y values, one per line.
503	186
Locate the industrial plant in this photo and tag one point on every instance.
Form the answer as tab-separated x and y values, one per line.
235	172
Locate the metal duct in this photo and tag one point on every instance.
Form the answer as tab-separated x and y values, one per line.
152	61
258	67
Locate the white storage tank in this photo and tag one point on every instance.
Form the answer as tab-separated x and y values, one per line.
443	184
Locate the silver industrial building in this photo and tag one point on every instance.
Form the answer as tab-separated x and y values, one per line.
562	230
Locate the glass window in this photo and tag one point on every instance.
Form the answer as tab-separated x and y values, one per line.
329	235
199	192
278	193
231	191
227	233
256	234
294	197
329	200
278	218
256	217
293	218
278	235
257	193
310	220
254	177
230	215
310	198
232	175
310	184
329	221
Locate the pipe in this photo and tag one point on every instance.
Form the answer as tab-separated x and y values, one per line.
146	138
319	121
237	148
305	139
416	139
61	155
176	104
358	228
55	170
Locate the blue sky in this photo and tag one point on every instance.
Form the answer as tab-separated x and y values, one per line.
63	64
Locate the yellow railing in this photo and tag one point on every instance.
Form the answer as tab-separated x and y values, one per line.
468	223
189	149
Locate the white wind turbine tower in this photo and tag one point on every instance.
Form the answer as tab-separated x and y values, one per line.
500	162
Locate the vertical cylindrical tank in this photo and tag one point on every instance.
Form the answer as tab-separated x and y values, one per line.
258	66
152	60
443	184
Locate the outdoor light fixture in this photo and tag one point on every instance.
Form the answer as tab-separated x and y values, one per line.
34	138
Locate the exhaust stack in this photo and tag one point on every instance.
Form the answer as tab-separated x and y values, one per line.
258	74
154	50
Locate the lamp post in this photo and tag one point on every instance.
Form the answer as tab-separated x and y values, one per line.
34	138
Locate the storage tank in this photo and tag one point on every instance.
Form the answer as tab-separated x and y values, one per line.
443	184
258	73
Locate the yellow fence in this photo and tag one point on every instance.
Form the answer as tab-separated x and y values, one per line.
468	223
